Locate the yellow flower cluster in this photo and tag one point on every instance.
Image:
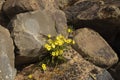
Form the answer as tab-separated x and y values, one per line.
57	53
56	45
44	67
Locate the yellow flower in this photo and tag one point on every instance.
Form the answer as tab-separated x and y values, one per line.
53	45
53	54
73	42
68	40
30	76
50	41
60	42
44	67
60	52
57	38
69	30
48	47
49	36
56	42
57	53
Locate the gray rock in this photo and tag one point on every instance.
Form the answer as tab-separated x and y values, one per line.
13	7
7	70
30	31
94	48
51	7
60	22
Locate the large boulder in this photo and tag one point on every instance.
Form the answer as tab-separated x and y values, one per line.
101	15
30	31
7	69
13	7
76	68
94	48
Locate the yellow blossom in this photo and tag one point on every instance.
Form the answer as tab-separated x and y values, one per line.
73	42
60	52
53	45
48	47
49	36
57	38
56	42
57	53
69	30
60	42
68	40
44	67
53	54
30	76
50	41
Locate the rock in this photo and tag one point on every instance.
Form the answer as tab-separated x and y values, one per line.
65	3
7	69
94	48
13	7
76	68
102	16
91	10
50	6
30	31
3	19
60	22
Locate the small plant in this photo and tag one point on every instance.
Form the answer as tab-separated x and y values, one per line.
55	47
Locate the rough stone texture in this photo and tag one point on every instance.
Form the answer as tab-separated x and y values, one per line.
30	31
76	68
94	48
65	3
102	16
3	19
50	6
60	22
13	7
90	10
7	70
